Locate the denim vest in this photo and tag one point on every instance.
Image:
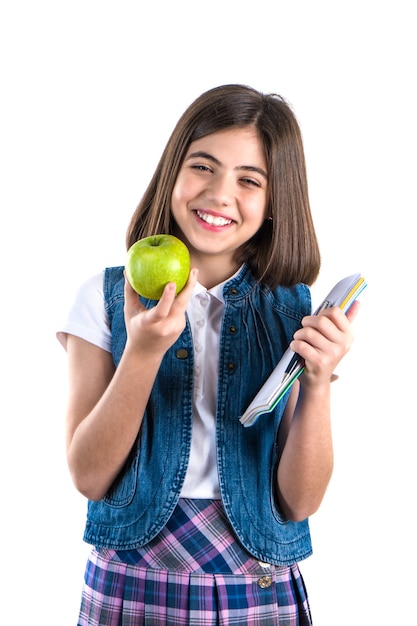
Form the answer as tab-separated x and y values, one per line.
257	327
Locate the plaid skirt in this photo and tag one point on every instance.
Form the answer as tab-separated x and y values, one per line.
194	572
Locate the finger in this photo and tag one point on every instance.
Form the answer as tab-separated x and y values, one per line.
330	333
132	302
328	321
168	299
186	293
325	325
191	282
353	310
309	340
162	309
339	318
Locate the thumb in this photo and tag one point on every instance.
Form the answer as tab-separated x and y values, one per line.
353	310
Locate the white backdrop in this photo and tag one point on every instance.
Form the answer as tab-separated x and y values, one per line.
90	91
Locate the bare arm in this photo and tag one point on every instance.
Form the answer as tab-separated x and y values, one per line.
106	406
305	437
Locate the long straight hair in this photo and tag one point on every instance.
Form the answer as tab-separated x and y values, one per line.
285	249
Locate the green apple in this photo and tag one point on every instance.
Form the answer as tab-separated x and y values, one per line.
154	261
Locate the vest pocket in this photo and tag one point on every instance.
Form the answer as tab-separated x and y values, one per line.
123	489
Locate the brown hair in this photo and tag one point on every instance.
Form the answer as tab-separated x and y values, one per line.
285	249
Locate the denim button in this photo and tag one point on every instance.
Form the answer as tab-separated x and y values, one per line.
182	353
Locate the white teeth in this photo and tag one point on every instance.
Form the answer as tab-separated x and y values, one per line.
214	221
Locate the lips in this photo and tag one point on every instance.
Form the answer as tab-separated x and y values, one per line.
213	220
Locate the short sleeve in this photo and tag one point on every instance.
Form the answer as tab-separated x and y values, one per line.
87	317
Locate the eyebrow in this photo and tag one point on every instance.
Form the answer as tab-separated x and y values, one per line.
247	168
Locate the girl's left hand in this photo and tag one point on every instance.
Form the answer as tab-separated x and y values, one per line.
323	341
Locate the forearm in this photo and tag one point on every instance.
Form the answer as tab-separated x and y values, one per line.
99	446
306	462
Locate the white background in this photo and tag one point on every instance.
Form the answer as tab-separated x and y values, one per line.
90	91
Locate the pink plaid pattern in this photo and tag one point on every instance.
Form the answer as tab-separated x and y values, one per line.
193	573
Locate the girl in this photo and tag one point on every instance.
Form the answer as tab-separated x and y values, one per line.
193	518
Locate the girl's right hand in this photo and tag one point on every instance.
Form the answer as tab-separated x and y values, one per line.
156	329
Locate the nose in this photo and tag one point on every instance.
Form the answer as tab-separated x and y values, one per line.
221	190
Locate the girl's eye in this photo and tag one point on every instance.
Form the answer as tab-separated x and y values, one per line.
201	168
251	181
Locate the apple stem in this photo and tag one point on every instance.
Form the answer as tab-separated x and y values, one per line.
154	241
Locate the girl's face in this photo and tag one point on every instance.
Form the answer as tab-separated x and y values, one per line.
219	198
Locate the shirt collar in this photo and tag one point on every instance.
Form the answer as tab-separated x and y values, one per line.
216	291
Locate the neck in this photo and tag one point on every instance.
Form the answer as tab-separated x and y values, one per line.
211	272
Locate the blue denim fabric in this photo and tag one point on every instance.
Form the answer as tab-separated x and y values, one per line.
258	325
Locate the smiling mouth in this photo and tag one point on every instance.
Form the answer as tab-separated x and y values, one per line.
213	220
